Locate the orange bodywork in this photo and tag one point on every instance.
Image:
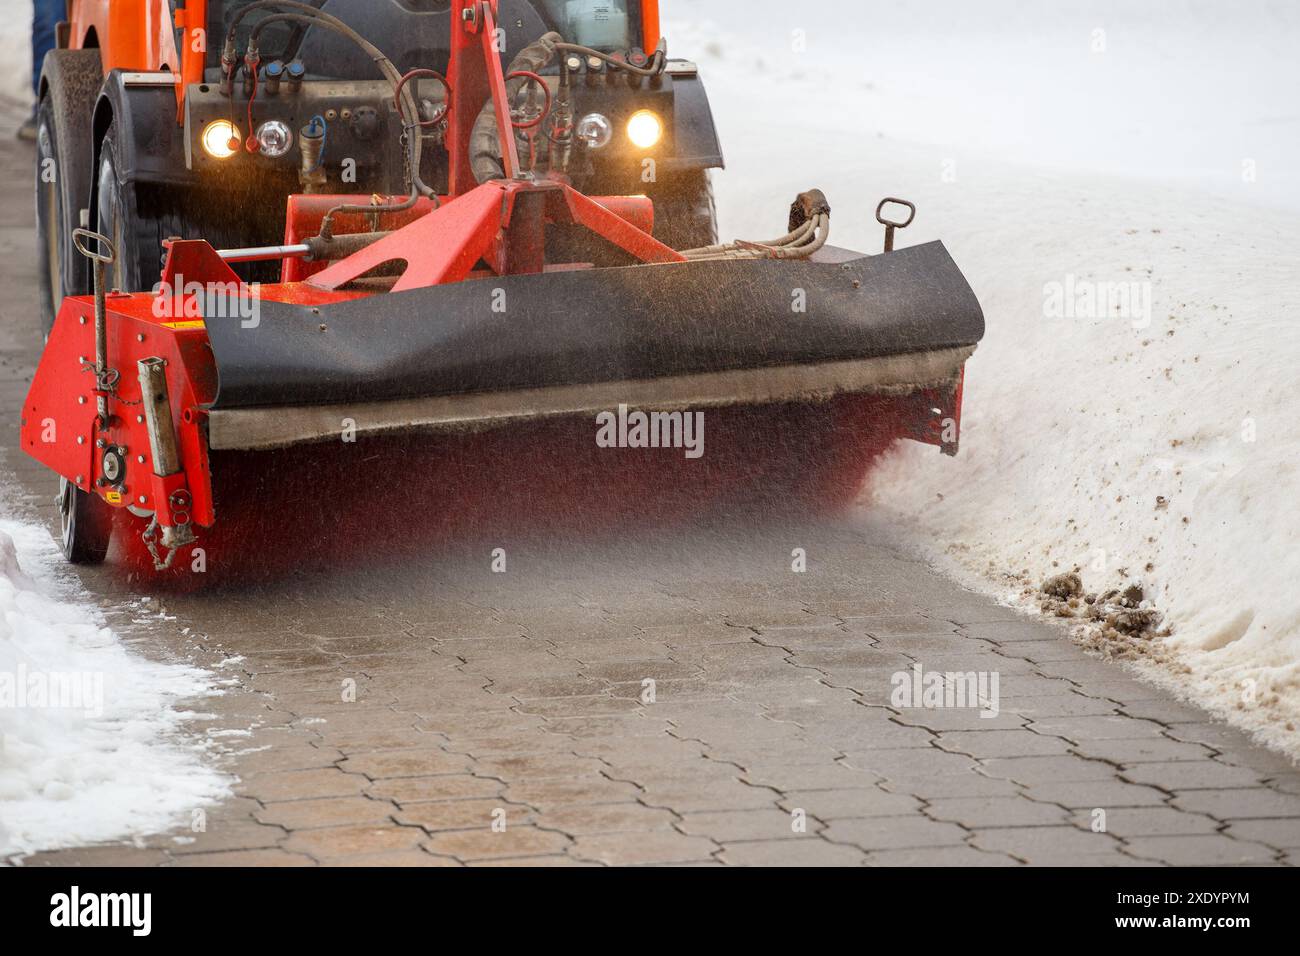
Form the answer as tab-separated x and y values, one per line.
139	35
649	24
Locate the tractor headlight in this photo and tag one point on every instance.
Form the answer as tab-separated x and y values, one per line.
274	139
595	130
220	139
645	129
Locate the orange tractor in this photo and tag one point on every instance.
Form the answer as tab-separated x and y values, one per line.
280	229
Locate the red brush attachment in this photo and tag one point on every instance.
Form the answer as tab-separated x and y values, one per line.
408	497
114	458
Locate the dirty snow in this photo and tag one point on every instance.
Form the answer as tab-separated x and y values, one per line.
1146	441
101	756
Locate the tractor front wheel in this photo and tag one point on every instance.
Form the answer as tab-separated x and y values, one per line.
70	83
685	216
136	238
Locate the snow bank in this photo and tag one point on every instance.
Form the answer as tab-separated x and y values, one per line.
1166	90
89	730
1145	440
1156	448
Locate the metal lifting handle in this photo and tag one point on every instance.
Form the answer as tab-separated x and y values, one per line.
101	260
105	257
892	224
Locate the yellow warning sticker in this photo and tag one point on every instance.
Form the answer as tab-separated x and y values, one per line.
187	324
113	497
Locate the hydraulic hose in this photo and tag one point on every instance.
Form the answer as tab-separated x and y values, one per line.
656	65
485	146
810	227
303	13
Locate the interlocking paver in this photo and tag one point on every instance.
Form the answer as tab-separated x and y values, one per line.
953	785
1184	775
907	764
1241	804
1031	770
606	818
244	858
387	764
1133	822
826	776
1150	750
322	844
773	693
570	791
486	844
1002	743
464	814
398	858
850	804
724	826
409	790
336	811
302	785
688	797
1035	843
885	833
813	852
1086	794
1202	850
652	846
1097	728
1057	703
1265	831
939	856
973	812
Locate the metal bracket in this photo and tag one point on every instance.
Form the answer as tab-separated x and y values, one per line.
102	260
892	224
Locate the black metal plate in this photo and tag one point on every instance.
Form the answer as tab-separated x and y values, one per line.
603	325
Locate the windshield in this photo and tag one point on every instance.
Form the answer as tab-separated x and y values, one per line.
603	24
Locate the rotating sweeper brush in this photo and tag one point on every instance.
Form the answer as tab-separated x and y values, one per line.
500	299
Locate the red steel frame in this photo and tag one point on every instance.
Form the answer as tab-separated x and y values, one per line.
502	221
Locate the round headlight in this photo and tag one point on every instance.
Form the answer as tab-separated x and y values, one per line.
220	139
645	129
274	138
595	130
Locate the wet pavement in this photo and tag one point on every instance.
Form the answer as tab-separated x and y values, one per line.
661	697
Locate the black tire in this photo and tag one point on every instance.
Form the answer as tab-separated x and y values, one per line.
685	214
136	235
64	161
139	217
86	525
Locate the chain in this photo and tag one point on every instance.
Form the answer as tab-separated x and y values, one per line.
108	383
150	536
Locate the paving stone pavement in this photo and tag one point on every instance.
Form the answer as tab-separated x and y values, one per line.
771	738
